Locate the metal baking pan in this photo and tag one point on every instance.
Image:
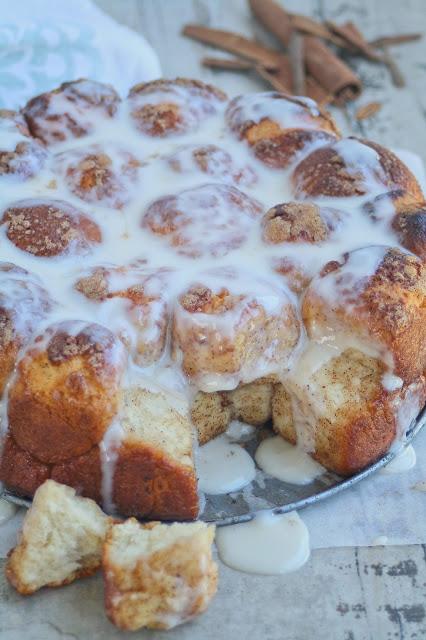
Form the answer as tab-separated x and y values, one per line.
267	493
271	494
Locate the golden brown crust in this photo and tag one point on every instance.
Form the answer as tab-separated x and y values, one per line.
83	473
350	407
325	172
21	472
86	101
274	143
148	483
69	387
169	107
386	306
48	228
354	440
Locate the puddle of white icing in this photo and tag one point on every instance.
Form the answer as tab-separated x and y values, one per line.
403	461
223	466
7	511
286	462
269	544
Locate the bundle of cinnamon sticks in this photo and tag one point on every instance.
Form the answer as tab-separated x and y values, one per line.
310	63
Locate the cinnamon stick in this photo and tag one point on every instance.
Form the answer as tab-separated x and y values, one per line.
388	41
276	80
297	62
284	74
232	64
280	80
331	73
354	38
396	74
311	27
316	92
234	43
368	110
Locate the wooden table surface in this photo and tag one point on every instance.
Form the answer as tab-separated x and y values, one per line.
376	593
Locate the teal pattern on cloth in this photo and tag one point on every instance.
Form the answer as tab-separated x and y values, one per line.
33	59
46	42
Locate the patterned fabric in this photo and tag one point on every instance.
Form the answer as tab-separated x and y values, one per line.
44	43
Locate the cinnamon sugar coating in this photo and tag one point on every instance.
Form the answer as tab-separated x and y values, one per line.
299	222
46	228
354	167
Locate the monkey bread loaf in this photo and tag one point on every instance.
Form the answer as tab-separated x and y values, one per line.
173	261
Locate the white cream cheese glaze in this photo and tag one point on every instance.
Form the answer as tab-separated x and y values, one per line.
223	466
286	462
269	544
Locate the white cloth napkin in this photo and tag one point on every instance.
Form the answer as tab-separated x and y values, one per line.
46	42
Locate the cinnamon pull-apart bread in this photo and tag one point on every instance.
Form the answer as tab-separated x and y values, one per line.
158	576
73	110
167	107
278	127
224	335
354	167
174	261
61	540
135	300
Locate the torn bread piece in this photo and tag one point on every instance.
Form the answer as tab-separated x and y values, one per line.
157	575
61	540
